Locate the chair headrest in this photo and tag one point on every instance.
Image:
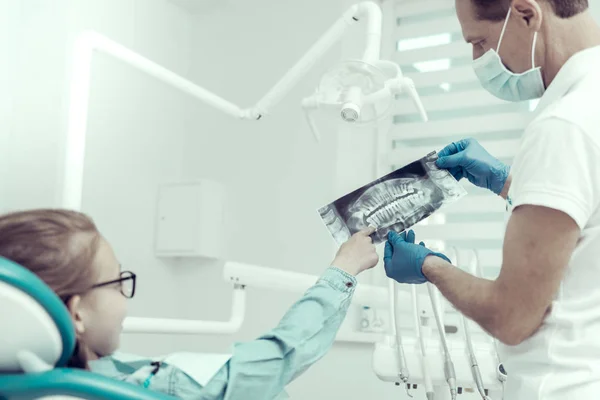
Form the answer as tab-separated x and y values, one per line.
32	304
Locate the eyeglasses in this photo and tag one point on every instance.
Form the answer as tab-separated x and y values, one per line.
126	282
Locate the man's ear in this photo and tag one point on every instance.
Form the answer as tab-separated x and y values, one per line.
528	11
75	309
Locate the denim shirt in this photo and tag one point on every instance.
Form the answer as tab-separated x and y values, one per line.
262	368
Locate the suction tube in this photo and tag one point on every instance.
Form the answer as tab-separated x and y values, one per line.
449	372
500	372
475	371
403	373
418	330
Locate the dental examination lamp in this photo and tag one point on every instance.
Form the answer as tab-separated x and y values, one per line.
358	91
361	91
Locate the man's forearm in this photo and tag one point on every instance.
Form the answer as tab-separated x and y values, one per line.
472	296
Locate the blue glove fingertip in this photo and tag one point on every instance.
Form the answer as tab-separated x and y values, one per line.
393	238
450	149
388	252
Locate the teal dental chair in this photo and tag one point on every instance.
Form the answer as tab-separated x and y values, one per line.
37	341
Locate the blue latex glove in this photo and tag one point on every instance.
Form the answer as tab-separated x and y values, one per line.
468	159
403	259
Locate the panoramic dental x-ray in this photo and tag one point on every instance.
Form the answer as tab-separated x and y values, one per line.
396	201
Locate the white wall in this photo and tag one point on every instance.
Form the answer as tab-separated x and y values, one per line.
8	26
595	7
35	75
36	40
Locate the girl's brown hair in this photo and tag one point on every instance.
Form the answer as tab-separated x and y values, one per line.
59	246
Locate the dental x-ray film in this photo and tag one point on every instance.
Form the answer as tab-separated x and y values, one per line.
396	201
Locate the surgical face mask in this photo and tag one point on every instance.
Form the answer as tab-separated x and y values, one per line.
507	85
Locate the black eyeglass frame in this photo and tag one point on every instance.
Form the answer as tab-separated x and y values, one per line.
131	276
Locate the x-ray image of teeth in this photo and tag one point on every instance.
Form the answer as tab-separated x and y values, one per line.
396	201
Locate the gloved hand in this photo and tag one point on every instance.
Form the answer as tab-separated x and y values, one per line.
403	259
468	159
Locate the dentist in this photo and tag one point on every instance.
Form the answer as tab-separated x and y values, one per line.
545	304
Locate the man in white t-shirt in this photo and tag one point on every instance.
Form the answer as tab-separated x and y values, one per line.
545	304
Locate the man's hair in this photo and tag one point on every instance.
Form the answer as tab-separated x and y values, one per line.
496	10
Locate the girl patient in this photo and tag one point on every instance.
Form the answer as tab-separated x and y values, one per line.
65	249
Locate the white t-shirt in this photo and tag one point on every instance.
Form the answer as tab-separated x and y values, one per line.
558	166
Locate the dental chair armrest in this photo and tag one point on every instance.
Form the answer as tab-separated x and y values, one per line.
71	382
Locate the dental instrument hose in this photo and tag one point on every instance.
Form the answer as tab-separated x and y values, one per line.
403	373
475	371
449	371
501	375
478	272
424	366
473	360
